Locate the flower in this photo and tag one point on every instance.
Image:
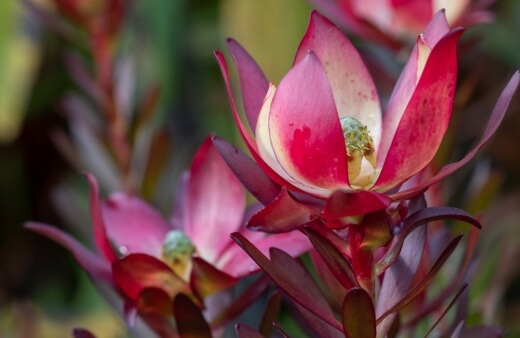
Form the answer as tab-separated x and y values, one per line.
322	128
389	21
141	250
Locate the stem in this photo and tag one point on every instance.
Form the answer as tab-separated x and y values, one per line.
362	259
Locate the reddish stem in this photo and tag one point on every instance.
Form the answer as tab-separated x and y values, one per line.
362	259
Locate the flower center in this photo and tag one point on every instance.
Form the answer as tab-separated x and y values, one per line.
359	145
177	251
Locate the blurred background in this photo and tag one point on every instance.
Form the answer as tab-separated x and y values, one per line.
163	54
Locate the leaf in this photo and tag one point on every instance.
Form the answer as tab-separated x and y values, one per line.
248	172
272	309
417	219
206	280
155	307
358	314
344	203
336	262
92	263
397	278
137	272
283	214
292	279
240	303
319	326
447	309
154	300
189	319
421	286
244	331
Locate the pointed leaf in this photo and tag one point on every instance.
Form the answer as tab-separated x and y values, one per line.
332	237
292	279
154	301
397	278
241	302
206	279
358	314
272	310
244	331
318	325
155	307
423	284
447	309
189	318
417	219
346	203
253	83
137	272
284	214
248	172
238	263
93	264
336	262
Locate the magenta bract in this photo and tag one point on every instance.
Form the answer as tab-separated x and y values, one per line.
322	129
132	237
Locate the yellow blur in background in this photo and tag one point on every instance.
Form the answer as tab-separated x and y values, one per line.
19	57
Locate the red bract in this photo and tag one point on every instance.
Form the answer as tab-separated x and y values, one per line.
194	250
321	132
388	21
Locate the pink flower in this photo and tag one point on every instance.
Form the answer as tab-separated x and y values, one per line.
321	132
140	249
322	128
388	21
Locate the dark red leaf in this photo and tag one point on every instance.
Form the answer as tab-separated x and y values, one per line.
421	286
154	300
189	319
241	302
137	272
336	262
447	309
155	307
248	172
320	327
419	218
358	314
344	203
272	310
244	331
206	279
284	214
292	278
93	264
